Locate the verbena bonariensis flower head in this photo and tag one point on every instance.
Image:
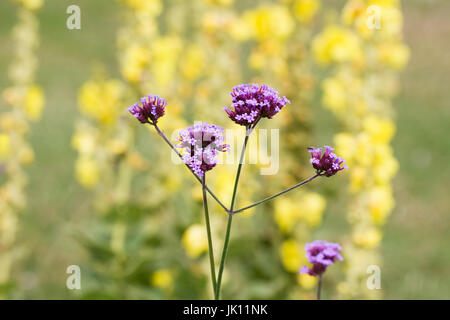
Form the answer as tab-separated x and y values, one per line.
153	108
327	163
250	102
201	143
321	254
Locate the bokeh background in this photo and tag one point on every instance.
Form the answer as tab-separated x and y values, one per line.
99	192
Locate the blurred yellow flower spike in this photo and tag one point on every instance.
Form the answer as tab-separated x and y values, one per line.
84	142
193	62
100	100
381	203
269	22
134	61
31	4
87	172
367	237
311	208
225	3
34	102
306	10
5	146
153	7
393	54
337	44
162	279
286	213
26	155
164	56
380	130
194	240
359	92
292	255
27	100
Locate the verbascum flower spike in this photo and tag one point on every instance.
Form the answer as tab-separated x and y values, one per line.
251	102
153	108
201	143
328	163
321	254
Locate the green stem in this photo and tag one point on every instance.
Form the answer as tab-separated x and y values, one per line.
278	194
230	216
208	231
196	176
319	287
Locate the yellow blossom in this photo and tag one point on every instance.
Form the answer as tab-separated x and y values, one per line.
306	281
194	240
336	44
381	203
358	175
311	208
334	94
393	54
5	146
379	130
292	255
193	62
34	102
269	22
153	7
164	55
305	10
87	172
31	4
224	3
84	142
286	213
100	100
134	60
26	155
162	279
367	237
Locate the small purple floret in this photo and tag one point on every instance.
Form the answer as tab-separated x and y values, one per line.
201	144
327	164
153	108
321	254
250	102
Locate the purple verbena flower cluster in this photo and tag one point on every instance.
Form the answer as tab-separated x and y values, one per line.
321	254
327	164
201	143
153	108
250	102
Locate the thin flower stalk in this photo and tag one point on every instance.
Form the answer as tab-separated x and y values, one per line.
277	194
208	232
230	215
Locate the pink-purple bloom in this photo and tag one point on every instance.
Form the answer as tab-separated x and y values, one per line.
153	108
201	144
327	163
321	254
250	102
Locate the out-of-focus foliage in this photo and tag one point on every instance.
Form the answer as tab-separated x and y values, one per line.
23	103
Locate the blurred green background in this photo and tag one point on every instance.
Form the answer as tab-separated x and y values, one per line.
416	237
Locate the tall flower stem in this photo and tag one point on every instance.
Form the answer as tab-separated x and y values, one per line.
208	231
196	176
319	287
278	194
230	216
